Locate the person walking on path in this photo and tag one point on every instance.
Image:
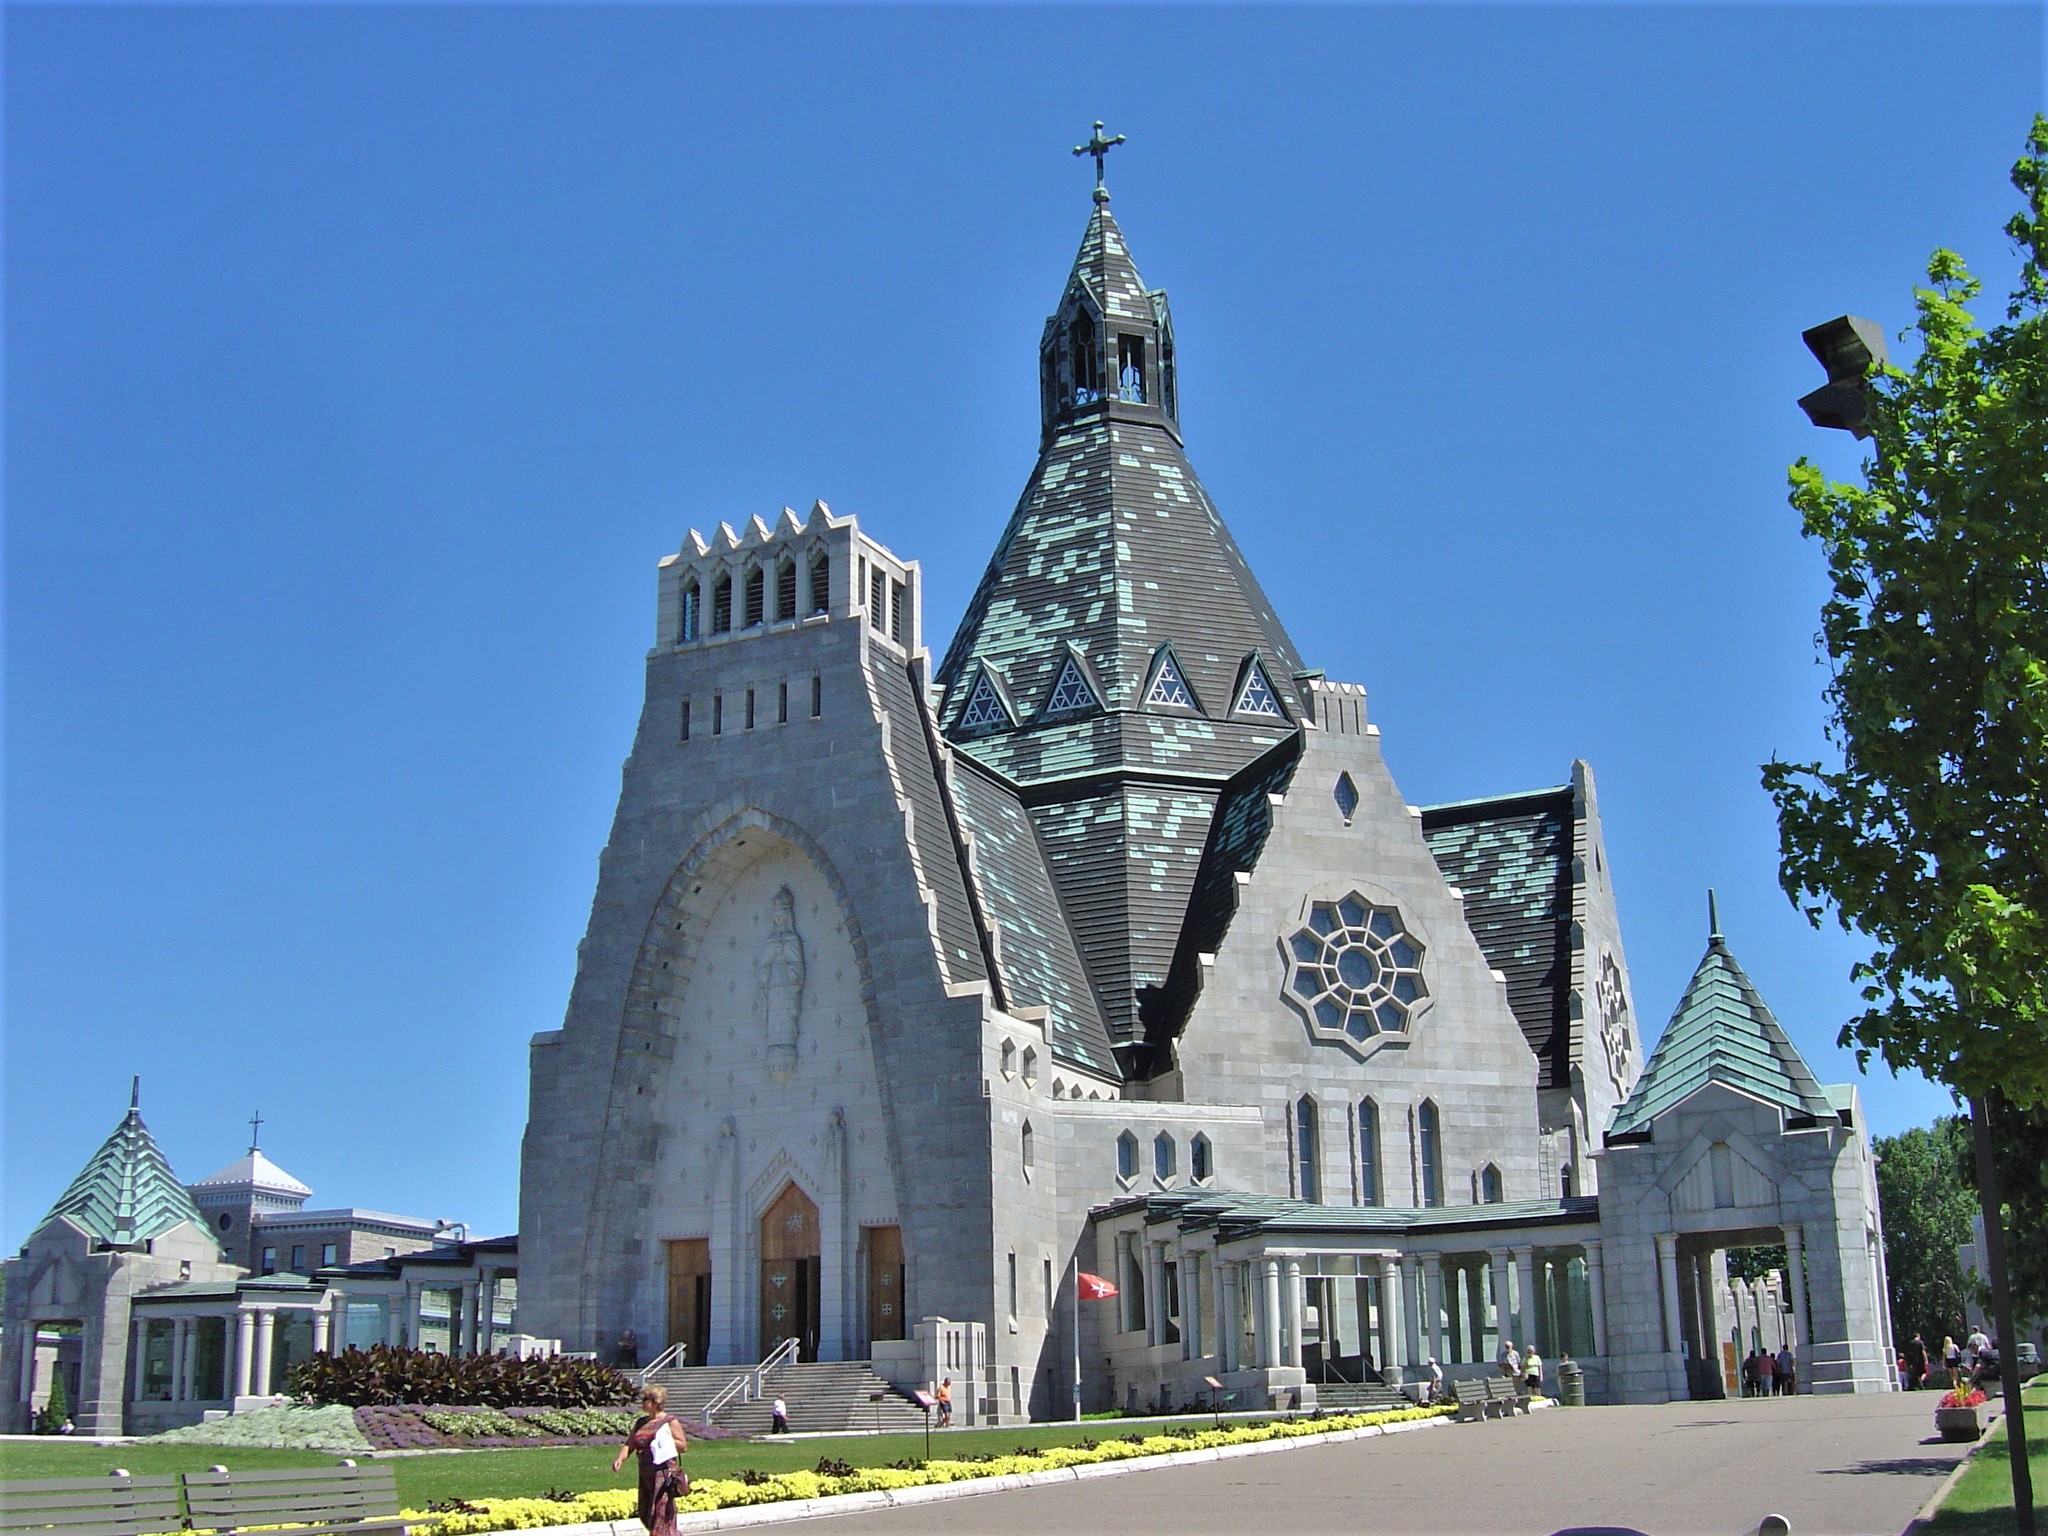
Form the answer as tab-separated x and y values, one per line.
1749	1376
1510	1360
1532	1372
1786	1369
657	1439
1436	1380
945	1398
1952	1360
1766	1372
629	1351
1916	1362
778	1416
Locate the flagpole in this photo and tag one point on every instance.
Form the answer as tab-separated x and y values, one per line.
1074	1265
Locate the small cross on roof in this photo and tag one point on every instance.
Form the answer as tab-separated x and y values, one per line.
1099	146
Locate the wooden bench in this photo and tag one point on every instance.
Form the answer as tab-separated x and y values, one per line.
92	1506
311	1500
1473	1399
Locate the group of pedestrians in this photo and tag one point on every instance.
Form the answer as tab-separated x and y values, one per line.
1525	1367
1765	1374
1975	1361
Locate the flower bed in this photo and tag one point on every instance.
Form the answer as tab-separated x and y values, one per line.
391	1428
283	1428
712	1494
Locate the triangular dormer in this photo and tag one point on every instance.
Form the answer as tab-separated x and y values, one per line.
1256	694
1073	691
986	709
1167	687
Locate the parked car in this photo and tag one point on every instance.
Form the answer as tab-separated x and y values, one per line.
2026	1359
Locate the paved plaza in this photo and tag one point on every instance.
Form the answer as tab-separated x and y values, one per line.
1833	1466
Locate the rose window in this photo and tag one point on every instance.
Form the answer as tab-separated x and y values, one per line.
1356	970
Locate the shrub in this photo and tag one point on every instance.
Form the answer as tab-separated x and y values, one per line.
468	1426
580	1423
383	1375
58	1409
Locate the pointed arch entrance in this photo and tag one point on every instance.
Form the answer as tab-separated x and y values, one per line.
790	1250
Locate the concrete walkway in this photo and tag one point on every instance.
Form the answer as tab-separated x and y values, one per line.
1833	1466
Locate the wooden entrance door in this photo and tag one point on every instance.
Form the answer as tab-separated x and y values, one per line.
789	1272
689	1298
885	1283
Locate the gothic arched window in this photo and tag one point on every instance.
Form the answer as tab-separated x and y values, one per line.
721	605
1082	359
757	596
1369	1153
1491	1191
1429	1134
821	582
686	611
785	588
1307	1148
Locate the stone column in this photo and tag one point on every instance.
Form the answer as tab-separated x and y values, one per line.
266	1337
138	1356
1596	1297
1269	1321
337	1326
1296	1313
1191	1306
178	1327
1411	1310
323	1324
1433	1304
28	1331
486	1310
245	1350
1525	1297
1504	1327
1667	1269
1224	1291
1392	1345
1155	1293
415	1309
1795	1278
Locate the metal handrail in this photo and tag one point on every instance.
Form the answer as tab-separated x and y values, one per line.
749	1384
673	1355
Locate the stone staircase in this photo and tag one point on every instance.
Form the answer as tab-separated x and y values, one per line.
823	1397
1351	1397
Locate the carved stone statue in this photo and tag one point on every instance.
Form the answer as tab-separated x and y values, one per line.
779	973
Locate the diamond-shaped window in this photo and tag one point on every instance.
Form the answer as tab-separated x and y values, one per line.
1347	796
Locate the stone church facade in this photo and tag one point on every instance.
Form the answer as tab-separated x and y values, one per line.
1108	941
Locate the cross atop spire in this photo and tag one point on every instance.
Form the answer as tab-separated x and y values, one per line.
1099	146
1713	915
256	1131
135	1094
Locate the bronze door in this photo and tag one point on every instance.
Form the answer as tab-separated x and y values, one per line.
885	1283
789	1273
689	1298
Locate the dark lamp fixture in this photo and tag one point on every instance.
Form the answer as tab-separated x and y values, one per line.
1850	348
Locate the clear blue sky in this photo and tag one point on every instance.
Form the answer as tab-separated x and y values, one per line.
361	363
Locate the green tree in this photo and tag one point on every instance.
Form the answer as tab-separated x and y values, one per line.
1927	1196
58	1408
2020	1156
1930	835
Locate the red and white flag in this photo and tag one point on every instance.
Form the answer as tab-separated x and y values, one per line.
1093	1287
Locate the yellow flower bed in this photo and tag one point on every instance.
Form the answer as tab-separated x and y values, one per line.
729	1493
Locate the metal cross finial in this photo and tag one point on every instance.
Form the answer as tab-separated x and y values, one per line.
135	1094
1099	145
256	1130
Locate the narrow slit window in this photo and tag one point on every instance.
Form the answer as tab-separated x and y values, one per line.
1130	369
750	709
817	697
896	606
686	612
878	597
782	703
718	714
1369	1153
1429	1135
757	596
686	720
1308	1162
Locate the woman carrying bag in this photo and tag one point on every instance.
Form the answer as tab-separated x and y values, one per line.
658	1440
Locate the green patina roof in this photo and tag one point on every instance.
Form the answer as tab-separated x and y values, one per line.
126	1194
1236	1215
1512	857
1722	1033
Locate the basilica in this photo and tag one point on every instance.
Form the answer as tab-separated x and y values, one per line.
1106	943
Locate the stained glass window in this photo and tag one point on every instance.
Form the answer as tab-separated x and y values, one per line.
1356	969
984	709
1169	687
1257	696
1071	692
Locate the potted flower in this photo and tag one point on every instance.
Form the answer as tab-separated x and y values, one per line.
1955	1416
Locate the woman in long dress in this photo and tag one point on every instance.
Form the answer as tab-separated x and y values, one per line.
658	1441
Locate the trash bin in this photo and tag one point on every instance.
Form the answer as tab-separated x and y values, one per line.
1571	1384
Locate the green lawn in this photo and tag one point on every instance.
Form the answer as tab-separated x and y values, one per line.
1980	1504
512	1473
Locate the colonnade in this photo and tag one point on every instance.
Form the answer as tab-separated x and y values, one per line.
1251	1313
1704	1334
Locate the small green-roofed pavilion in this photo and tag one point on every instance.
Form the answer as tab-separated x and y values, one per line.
1722	1032
126	1194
